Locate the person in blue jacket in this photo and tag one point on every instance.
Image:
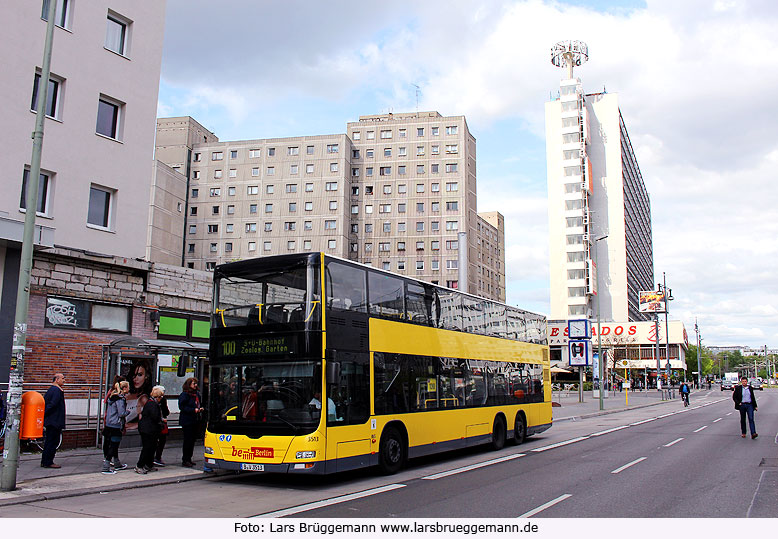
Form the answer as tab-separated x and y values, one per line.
53	420
190	410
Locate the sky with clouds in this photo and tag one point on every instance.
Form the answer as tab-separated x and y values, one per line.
696	82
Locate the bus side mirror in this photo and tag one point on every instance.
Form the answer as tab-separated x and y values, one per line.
183	363
333	372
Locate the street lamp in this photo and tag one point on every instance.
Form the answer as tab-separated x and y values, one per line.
601	373
668	297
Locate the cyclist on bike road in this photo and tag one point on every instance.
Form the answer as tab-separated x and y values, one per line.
685	392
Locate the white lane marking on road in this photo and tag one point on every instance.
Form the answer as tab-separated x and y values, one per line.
673	442
329	501
546	505
614	429
701	428
641	422
474	466
729	413
617	470
560	444
717	420
666	415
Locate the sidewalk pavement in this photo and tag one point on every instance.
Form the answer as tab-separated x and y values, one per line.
80	472
567	408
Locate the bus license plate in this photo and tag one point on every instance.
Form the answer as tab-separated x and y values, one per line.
253	467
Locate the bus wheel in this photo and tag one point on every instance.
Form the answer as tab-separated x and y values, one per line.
392	451
498	434
519	430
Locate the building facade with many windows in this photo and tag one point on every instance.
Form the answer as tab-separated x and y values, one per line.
396	191
99	131
600	241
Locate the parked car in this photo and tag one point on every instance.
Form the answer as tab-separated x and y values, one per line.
727	384
755	383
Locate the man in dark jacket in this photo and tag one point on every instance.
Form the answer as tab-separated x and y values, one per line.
745	401
53	420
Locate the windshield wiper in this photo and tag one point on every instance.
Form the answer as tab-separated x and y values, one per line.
295	428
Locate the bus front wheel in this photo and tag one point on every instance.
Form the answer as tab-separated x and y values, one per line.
519	430
392	451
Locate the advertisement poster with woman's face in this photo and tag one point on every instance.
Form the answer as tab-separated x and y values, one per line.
140	377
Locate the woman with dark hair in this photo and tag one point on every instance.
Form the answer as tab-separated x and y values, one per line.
190	409
140	389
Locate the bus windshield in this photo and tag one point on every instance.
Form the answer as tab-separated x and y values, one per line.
267	397
288	294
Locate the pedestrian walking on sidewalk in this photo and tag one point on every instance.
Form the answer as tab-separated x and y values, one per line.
190	414
115	414
149	427
745	401
53	420
163	408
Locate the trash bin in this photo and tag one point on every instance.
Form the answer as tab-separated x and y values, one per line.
33	408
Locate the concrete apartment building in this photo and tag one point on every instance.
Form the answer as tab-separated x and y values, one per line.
595	190
395	191
99	134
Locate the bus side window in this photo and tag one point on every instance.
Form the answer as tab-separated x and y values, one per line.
386	295
346	287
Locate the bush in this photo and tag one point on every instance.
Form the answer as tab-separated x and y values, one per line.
588	386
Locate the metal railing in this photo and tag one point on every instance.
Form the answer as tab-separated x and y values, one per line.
81	401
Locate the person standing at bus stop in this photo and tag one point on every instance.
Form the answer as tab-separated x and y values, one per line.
190	414
745	401
53	420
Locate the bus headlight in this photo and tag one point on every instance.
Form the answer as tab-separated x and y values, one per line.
209	450
306	454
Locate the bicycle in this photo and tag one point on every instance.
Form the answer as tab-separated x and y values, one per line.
39	442
685	398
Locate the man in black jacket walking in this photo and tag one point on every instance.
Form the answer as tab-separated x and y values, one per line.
745	401
53	420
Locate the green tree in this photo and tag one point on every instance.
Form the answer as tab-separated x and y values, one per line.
707	362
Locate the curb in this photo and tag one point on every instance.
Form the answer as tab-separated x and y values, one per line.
606	412
108	488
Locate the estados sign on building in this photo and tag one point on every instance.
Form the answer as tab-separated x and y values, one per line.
623	333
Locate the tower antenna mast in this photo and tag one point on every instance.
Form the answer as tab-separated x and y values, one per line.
570	53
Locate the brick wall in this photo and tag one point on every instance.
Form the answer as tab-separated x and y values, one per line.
77	353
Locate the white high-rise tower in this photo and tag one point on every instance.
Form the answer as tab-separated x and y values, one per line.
599	210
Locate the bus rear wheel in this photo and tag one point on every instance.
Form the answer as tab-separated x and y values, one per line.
391	457
498	434
519	430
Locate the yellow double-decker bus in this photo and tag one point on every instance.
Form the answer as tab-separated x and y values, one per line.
321	365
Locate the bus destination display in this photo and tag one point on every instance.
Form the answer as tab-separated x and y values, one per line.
248	346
